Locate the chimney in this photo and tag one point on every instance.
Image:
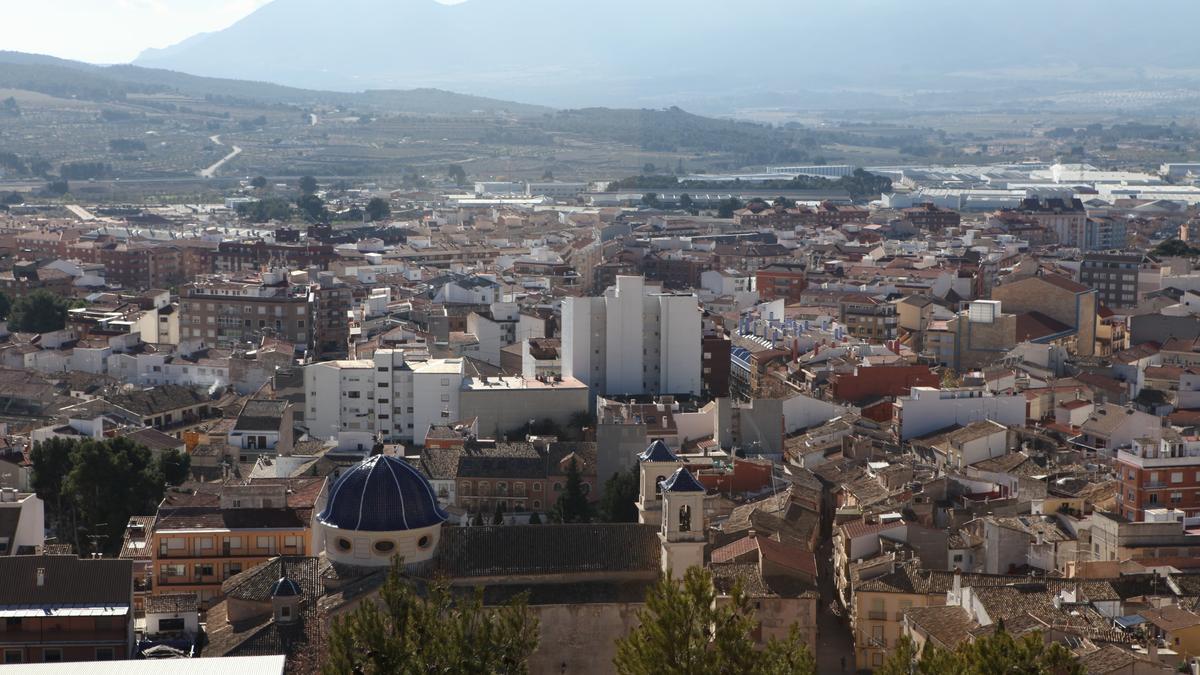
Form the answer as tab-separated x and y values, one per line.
41	576
957	589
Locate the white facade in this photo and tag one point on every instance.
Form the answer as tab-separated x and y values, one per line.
555	190
634	340
385	395
927	409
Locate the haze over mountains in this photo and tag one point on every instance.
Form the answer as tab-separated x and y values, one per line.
568	53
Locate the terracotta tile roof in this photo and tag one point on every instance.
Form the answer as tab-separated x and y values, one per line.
947	626
547	549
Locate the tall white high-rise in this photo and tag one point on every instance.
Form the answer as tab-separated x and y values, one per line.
633	340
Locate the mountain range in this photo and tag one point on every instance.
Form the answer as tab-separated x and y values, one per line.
570	53
74	79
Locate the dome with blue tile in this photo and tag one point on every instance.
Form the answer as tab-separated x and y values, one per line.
285	588
380	509
658	452
683	481
382	494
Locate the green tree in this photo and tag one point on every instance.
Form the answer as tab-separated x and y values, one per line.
312	208
999	652
175	466
263	210
535	519
378	209
38	312
477	520
92	487
308	185
727	206
457	174
258	182
618	504
547	175
572	505
1175	247
5	306
650	199
407	632
578	423
684	631
649	169
498	515
51	460
58	188
686	202
13	198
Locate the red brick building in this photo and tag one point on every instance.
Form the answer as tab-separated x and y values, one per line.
1160	474
781	280
869	383
931	218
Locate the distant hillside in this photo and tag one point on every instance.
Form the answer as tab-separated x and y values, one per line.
572	53
674	130
73	79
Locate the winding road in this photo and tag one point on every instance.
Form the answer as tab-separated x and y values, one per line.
210	171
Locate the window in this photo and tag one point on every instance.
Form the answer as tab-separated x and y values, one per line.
423	542
104	654
1177	477
12	623
384	546
343	544
14	656
52	655
285	611
354	394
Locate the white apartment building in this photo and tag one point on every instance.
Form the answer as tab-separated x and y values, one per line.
633	340
555	190
927	409
387	395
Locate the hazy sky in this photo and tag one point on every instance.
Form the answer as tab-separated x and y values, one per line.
115	31
112	31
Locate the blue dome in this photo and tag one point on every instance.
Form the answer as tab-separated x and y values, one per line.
382	494
285	588
658	452
683	481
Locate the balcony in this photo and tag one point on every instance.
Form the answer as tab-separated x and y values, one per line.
877	615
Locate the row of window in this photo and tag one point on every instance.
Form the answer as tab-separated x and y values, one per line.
55	655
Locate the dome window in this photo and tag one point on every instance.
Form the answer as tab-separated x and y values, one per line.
384	546
423	542
343	544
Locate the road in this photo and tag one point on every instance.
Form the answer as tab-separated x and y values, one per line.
208	173
835	643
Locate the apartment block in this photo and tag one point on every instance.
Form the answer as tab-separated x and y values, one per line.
230	311
386	395
633	340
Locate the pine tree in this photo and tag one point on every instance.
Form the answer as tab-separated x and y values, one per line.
618	504
572	505
407	632
477	520
1000	652
535	519
683	631
498	516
